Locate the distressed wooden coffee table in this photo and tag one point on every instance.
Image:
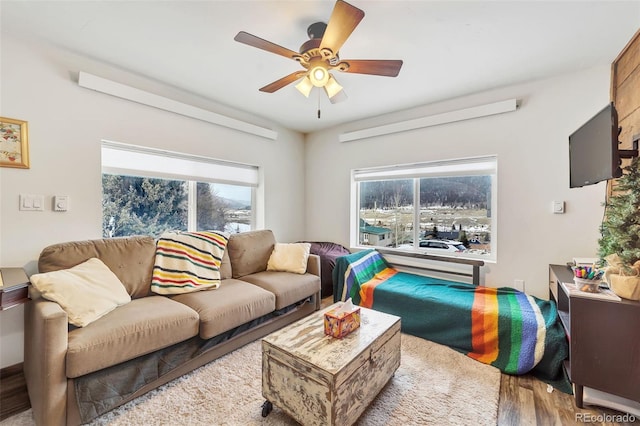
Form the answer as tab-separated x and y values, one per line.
321	380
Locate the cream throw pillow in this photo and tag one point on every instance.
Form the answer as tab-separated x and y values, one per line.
85	292
290	257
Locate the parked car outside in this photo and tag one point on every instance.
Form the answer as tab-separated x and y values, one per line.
448	245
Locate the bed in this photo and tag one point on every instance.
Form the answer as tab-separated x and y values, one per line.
503	327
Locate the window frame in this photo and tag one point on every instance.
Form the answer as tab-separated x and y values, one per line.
199	170
470	166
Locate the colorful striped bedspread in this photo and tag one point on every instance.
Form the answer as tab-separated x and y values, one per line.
188	261
503	327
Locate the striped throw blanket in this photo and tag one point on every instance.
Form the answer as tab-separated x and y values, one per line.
188	261
503	327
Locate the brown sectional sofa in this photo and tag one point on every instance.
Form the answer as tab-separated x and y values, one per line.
76	374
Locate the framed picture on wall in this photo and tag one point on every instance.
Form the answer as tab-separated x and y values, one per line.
14	143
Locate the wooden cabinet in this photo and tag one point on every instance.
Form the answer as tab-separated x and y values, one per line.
604	338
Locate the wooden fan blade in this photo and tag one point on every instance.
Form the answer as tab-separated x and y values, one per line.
279	84
251	40
344	19
387	68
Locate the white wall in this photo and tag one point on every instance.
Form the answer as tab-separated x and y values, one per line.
66	125
533	170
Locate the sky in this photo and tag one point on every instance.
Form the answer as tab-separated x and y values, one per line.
233	192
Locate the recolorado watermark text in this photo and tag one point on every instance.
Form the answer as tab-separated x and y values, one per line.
602	418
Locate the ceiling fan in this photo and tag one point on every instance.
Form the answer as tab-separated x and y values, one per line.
319	55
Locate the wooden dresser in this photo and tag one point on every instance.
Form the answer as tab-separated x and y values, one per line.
604	338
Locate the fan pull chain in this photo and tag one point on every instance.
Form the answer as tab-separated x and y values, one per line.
318	91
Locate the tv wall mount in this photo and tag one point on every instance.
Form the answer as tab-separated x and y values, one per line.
629	153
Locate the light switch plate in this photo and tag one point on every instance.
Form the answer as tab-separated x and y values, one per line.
30	202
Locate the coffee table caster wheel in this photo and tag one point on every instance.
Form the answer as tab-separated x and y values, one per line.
266	408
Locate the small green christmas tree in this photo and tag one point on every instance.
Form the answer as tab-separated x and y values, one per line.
621	226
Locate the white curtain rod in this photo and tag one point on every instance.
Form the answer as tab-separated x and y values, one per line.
123	91
432	120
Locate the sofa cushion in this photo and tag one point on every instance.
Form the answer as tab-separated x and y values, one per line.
289	258
137	328
86	292
130	258
234	303
288	288
225	267
249	252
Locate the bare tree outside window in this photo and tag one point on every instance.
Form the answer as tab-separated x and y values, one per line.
224	207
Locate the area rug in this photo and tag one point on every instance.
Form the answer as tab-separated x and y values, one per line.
434	385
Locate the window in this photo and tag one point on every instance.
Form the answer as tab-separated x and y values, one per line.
443	207
148	192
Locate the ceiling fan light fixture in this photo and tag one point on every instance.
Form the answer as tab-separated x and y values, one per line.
319	76
319	55
341	96
332	87
305	86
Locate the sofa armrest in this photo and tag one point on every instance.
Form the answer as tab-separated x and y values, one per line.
313	265
45	349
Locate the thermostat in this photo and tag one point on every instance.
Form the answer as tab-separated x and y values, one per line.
558	207
61	203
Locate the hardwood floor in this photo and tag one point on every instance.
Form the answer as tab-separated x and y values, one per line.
13	392
524	400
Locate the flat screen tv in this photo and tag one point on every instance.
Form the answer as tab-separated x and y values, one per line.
593	150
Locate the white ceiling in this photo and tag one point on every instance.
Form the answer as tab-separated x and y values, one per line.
449	48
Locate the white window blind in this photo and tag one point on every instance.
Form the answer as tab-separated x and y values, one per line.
124	159
459	167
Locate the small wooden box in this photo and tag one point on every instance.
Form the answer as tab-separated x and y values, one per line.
341	325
